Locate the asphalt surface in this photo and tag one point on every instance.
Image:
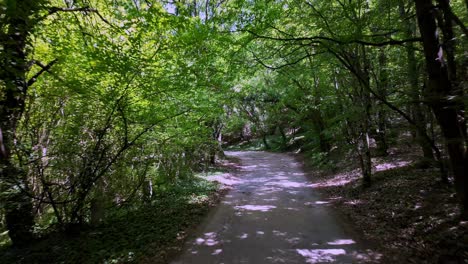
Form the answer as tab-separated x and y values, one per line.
273	214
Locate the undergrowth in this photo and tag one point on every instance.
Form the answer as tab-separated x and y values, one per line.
275	144
144	234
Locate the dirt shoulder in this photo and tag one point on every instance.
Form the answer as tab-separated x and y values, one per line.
407	212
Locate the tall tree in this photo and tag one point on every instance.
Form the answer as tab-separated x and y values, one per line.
17	23
444	95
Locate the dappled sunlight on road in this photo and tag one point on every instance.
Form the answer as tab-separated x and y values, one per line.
272	215
320	255
217	251
208	240
249	168
342	242
287	184
261	208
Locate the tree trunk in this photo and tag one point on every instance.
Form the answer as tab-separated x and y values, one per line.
365	157
440	96
265	141
366	163
381	141
147	190
417	113
217	138
319	126
18	205
284	138
366	105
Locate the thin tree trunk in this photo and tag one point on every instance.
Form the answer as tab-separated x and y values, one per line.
365	159
418	115
382	146
364	142
366	103
265	141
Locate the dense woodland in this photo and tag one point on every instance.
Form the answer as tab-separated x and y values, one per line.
106	103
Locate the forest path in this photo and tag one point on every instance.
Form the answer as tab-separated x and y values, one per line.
272	215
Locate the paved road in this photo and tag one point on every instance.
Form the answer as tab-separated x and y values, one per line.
272	215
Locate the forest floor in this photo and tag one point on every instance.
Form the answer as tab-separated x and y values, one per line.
408	212
148	234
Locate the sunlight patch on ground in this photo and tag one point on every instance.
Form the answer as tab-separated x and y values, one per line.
353	202
249	168
209	239
391	165
252	207
368	256
321	202
198	199
279	233
340	179
320	255
312	204
243	236
341	242
225	179
293	240
217	252
287	184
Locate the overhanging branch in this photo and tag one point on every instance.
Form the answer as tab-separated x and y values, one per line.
317	39
44	68
85	9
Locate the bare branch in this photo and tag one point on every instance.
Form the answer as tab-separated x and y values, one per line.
85	9
55	9
457	20
44	68
317	39
280	66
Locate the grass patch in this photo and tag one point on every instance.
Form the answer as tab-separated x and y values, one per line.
150	233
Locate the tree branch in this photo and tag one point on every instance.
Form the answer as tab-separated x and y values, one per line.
85	9
257	59
44	68
317	39
457	20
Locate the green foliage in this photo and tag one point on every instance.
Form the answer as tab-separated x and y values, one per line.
128	104
129	234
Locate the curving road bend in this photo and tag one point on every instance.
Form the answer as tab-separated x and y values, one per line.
272	215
